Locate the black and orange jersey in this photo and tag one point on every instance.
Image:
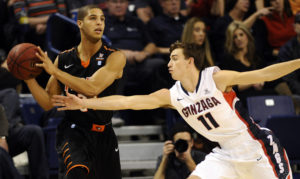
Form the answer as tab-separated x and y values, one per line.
69	61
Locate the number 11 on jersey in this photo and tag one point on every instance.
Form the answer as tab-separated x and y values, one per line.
203	119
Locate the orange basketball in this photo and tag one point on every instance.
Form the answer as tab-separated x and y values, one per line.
21	61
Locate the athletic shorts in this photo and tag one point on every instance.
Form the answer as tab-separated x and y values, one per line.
245	158
94	150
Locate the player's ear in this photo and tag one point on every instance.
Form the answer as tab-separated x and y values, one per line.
79	23
191	60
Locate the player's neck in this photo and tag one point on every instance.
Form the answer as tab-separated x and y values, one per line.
190	80
86	49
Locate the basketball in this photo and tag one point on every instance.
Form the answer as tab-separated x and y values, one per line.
21	61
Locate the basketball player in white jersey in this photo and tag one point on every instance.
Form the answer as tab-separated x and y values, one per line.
205	99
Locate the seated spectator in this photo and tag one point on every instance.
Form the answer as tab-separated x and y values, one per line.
279	25
167	28
208	10
38	13
179	158
289	51
236	10
195	32
21	137
146	10
7	168
130	35
241	56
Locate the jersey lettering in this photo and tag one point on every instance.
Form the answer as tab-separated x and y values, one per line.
211	120
276	153
198	107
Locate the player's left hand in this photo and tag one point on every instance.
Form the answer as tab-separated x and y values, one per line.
69	102
47	63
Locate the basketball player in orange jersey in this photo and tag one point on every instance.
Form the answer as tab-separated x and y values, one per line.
86	142
205	99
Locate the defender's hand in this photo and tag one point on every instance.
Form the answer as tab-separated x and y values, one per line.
69	102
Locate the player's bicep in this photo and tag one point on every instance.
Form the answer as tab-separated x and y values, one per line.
112	70
227	78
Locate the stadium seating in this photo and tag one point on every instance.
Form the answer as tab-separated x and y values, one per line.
261	108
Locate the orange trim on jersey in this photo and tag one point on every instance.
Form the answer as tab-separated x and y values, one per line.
69	165
78	165
41	3
67	158
108	48
67	149
98	128
43	12
64	145
260	141
229	97
85	64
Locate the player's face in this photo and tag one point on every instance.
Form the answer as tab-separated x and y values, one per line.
240	39
93	24
199	33
178	64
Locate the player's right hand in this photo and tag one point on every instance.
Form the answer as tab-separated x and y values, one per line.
69	102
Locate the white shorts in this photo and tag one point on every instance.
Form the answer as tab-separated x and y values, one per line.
245	160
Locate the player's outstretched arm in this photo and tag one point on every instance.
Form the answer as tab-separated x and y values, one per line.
226	78
160	98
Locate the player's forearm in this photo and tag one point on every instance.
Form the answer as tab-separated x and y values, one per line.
39	94
116	102
80	85
279	70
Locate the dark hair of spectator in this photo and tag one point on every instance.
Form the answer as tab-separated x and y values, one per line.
286	9
229	5
180	126
83	11
192	50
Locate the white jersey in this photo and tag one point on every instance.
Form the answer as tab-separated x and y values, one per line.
248	150
209	111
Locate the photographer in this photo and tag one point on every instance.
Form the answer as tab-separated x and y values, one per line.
178	159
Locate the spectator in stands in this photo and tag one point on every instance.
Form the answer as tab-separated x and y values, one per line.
241	56
21	137
236	10
279	24
195	32
7	168
179	158
167	28
146	10
130	35
37	13
208	10
289	51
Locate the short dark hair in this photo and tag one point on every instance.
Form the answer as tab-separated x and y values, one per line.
192	50
83	11
229	5
180	126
